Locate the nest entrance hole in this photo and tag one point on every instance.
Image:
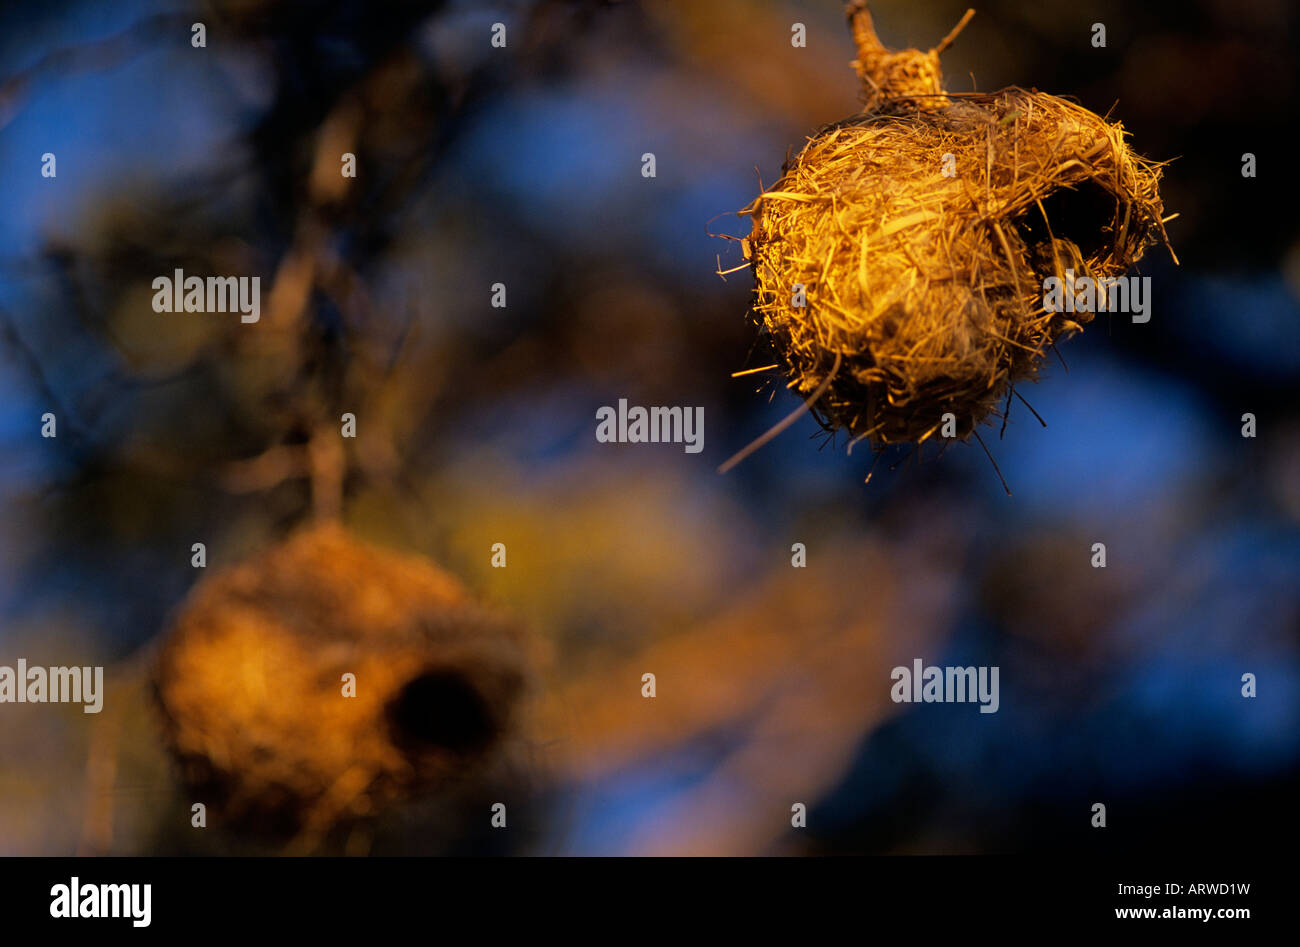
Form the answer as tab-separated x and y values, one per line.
1084	214
442	709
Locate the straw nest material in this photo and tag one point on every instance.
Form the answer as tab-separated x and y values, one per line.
923	290
251	684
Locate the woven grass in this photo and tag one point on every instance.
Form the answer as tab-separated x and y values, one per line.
921	232
250	684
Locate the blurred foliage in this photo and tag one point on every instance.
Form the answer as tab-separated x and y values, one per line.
475	424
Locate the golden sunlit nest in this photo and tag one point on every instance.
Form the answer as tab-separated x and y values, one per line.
921	232
251	684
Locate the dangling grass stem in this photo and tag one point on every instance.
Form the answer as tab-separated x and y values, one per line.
789	419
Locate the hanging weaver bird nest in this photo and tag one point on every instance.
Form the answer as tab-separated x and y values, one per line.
900	261
252	687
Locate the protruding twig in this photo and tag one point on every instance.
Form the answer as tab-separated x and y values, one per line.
1029	406
996	469
955	31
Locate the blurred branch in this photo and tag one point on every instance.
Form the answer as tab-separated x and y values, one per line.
268	469
31	362
774	685
87	57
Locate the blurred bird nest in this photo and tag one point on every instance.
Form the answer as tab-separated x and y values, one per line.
921	232
252	686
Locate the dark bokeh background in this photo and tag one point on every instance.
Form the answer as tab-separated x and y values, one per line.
522	166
